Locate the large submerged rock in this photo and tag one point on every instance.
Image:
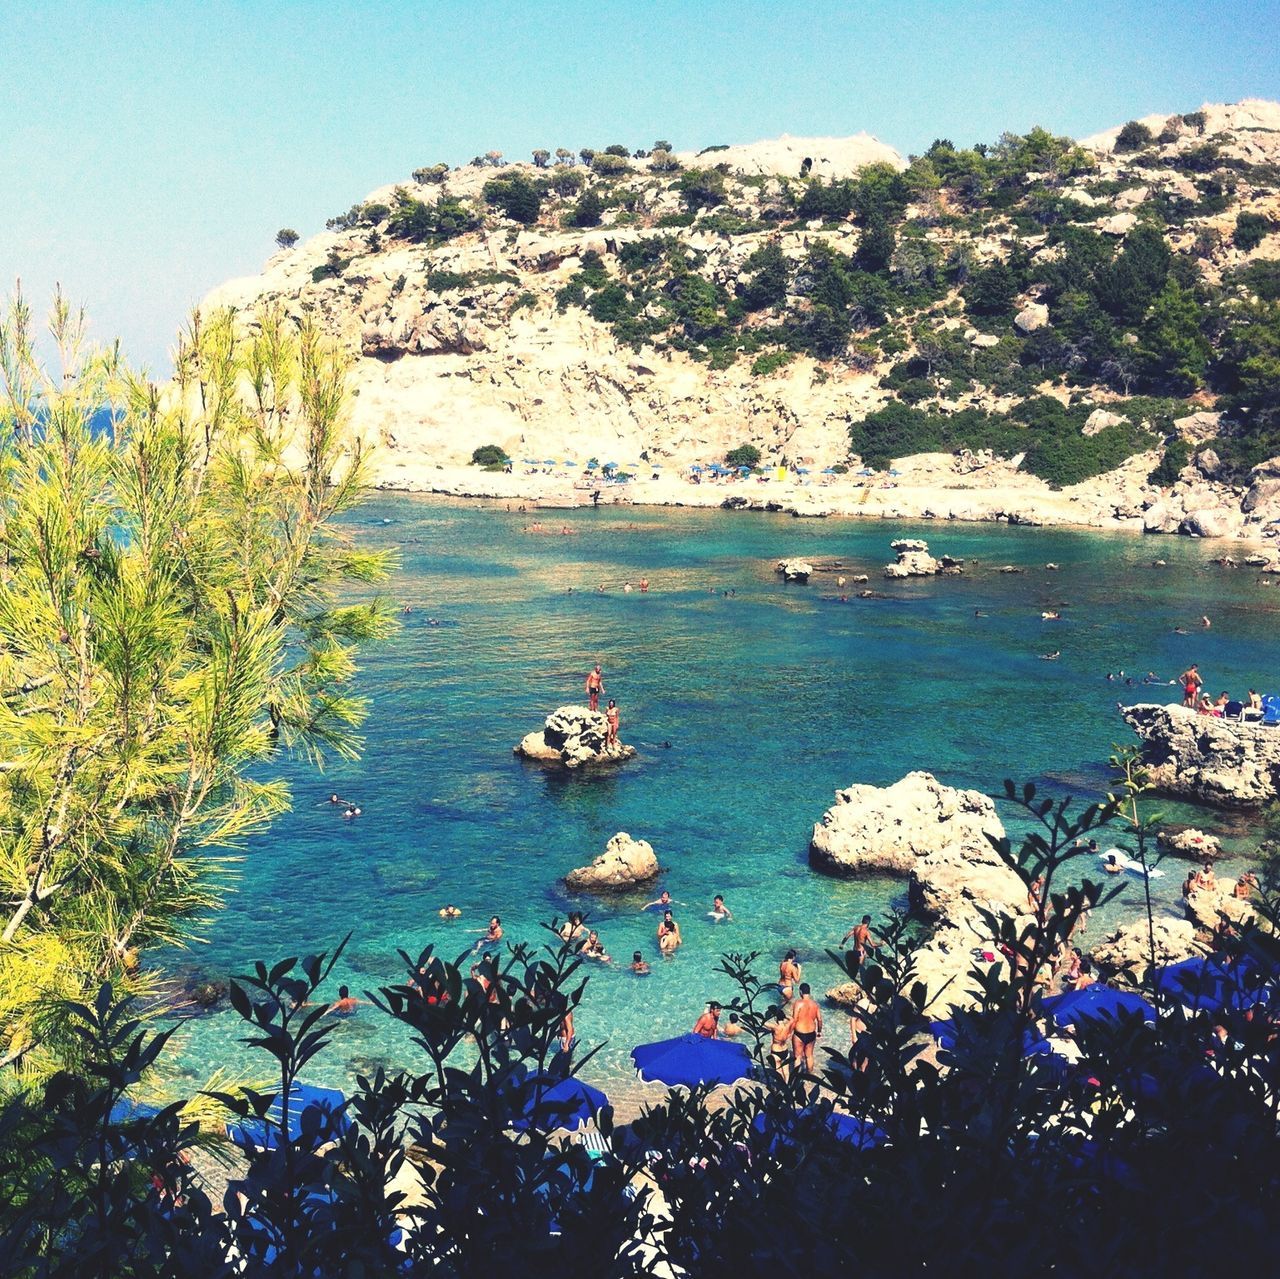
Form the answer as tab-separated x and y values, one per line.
913	559
573	737
1215	761
937	838
794	570
624	863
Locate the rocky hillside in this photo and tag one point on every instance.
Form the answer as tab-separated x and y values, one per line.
1070	305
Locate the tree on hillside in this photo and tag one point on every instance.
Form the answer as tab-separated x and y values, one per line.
1174	348
1134	136
564	156
875	249
701	188
588	210
286	237
1127	286
169	631
587	154
516	196
540	157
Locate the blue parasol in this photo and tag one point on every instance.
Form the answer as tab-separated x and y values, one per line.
568	1104
691	1060
315	1110
802	470
830	470
1094	1002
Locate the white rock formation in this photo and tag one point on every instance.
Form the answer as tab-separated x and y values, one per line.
794	570
913	559
573	737
624	863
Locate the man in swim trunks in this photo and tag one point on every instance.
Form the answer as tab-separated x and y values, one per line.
862	938
788	976
806	1026
708	1024
612	716
1191	684
594	687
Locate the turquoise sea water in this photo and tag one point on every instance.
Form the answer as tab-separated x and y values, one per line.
771	699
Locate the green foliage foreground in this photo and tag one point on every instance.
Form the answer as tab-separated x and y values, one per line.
168	626
1156	1153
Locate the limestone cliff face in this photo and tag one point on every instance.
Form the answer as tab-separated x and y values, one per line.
465	342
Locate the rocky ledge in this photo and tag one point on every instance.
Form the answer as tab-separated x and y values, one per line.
624	863
937	838
914	560
574	737
1215	761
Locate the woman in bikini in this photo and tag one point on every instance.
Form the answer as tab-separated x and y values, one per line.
788	976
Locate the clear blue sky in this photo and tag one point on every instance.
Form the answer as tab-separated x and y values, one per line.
152	150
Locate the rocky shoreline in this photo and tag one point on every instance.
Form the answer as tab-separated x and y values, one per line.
927	488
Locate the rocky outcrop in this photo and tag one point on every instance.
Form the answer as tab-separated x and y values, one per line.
573	737
624	863
1191	843
1215	761
913	559
937	838
1033	316
1208	907
1125	955
794	570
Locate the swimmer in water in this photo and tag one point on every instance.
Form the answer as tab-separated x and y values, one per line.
719	911
346	1003
450	912
336	799
1051	657
668	935
638	965
664	902
353	811
491	935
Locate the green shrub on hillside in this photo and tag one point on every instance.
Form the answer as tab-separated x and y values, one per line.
743	455
518	197
764	365
1251	229
413	219
489	455
1134	137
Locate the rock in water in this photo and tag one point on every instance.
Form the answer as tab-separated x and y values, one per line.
938	838
624	863
795	570
913	559
1125	955
573	737
1215	761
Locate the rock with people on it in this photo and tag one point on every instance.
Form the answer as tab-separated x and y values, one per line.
574	737
794	570
1215	760
939	839
1124	956
1190	842
913	559
624	863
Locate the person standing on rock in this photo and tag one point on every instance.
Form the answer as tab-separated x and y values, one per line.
594	687
612	717
1191	684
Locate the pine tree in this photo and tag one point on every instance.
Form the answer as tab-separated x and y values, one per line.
168	630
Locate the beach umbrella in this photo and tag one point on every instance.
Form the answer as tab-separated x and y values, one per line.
1095	1002
611	466
802	470
308	1106
691	1060
591	466
550	461
859	1133
1196	982
531	461
830	470
695	467
866	470
1034	1044
568	1104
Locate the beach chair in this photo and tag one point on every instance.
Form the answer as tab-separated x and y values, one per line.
1271	709
1233	710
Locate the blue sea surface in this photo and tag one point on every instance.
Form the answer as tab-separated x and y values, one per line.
770	696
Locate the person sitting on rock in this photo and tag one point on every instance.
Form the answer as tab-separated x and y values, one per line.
1206	706
1220	706
1245	886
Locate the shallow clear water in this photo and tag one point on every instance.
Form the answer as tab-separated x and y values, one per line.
771	699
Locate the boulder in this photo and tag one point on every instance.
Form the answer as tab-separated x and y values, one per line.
1162	517
1125	955
1211	760
937	838
1099	420
1033	316
1118	224
794	570
1195	428
1192	843
573	737
913	559
624	863
1207	907
984	340
1214	521
847	995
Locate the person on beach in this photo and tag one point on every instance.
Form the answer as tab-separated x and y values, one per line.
779	1026
788	975
806	1022
638	965
612	716
346	1003
668	935
594	687
1191	684
644	586
862	938
719	911
708	1024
